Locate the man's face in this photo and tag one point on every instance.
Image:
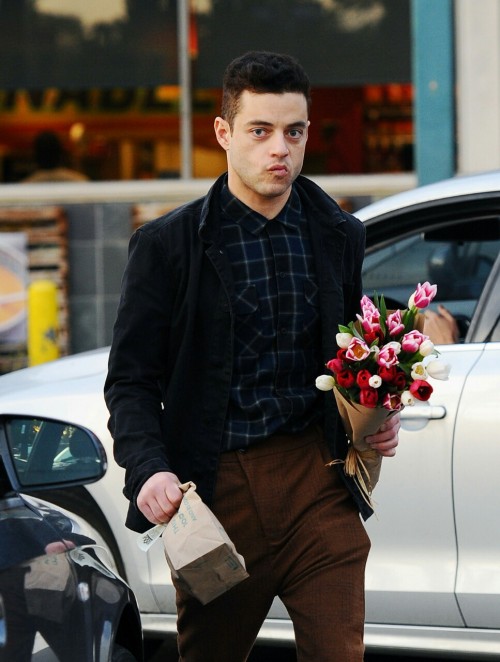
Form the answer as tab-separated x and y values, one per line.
265	149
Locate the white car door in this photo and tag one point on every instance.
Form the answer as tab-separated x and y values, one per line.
412	566
476	466
436	529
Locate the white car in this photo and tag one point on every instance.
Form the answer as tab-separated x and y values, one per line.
433	576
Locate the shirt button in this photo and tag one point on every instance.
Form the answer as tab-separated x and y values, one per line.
283	331
282	274
242	450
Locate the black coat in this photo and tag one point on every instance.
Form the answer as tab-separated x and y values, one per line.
170	364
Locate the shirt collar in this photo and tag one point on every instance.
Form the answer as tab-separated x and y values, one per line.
254	222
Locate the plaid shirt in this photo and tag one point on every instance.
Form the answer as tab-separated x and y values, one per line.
276	336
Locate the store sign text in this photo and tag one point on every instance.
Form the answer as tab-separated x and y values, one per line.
164	100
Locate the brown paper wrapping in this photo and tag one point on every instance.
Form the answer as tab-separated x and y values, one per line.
419	323
362	462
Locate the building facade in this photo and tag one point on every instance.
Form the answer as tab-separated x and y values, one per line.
106	80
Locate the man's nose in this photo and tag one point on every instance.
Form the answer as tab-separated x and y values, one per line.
279	145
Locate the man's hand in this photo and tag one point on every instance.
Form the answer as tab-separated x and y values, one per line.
441	326
386	439
59	546
160	497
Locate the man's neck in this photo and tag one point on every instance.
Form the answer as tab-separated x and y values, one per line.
269	207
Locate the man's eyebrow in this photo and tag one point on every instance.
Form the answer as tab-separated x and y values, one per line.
299	123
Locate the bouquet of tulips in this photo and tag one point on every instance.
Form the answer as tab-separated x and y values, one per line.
383	364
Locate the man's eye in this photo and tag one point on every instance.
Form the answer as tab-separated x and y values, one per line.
258	132
295	133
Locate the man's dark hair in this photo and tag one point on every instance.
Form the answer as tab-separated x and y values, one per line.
48	150
261	72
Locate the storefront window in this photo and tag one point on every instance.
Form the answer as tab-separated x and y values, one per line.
102	74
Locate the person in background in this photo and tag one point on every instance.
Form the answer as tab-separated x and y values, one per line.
229	310
441	326
49	157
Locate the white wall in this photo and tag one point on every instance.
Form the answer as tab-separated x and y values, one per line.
478	84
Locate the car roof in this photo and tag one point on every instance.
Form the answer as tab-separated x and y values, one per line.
458	186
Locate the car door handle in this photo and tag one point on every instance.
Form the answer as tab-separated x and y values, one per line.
419	413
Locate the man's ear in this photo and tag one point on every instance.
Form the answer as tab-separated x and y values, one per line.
222	132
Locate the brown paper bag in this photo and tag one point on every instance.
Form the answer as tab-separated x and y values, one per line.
362	462
199	551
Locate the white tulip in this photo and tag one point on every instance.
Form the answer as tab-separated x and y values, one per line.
418	371
438	369
325	382
407	399
343	340
426	348
375	381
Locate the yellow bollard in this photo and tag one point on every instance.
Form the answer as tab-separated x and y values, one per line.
42	322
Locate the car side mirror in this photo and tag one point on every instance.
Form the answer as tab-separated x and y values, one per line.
40	454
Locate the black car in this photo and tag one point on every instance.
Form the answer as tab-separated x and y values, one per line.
59	602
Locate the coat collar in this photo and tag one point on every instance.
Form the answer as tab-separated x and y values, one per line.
315	202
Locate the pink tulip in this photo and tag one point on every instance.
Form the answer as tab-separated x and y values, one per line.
367	306
392	401
411	341
422	296
388	355
370	324
357	350
394	323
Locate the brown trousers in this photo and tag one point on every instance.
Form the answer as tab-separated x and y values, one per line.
302	539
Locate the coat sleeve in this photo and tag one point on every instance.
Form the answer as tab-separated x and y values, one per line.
137	363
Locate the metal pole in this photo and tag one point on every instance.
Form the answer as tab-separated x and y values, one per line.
185	88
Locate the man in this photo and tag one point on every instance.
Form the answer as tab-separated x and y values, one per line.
49	157
229	311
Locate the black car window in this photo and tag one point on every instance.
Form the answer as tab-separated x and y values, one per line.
452	256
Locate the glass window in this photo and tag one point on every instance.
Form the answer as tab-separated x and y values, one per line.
87	44
339	42
103	74
459	265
